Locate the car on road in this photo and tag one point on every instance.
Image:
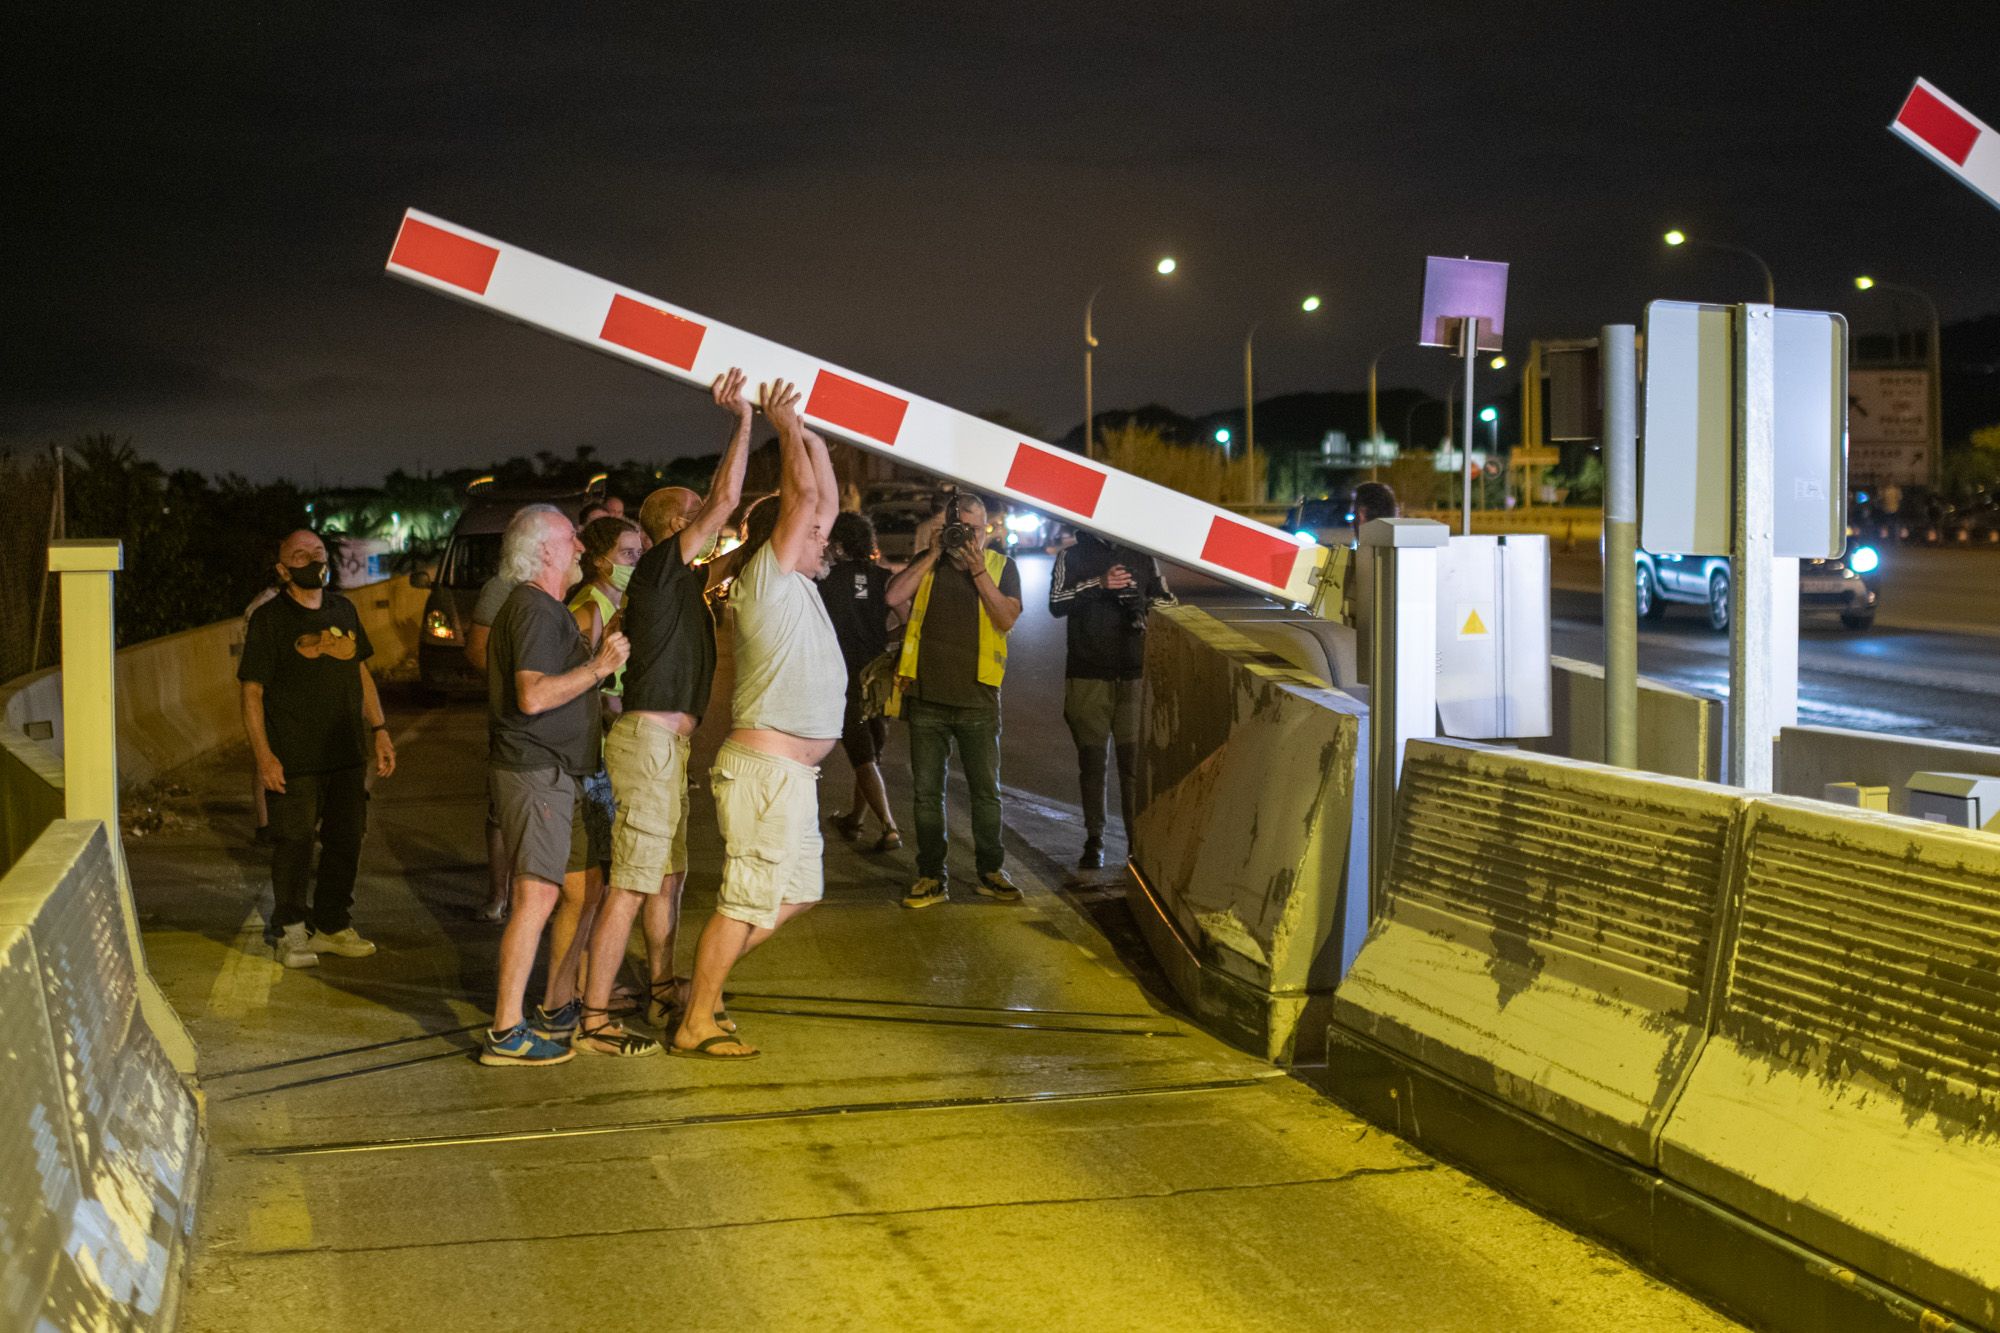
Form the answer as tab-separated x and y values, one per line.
1325	520
896	524
1840	587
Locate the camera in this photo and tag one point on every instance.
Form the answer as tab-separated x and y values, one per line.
957	532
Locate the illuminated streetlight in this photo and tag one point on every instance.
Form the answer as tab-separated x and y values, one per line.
1864	282
1164	268
1498	363
1678	237
1489	415
1222	436
1310	304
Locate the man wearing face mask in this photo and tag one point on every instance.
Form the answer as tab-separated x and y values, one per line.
315	721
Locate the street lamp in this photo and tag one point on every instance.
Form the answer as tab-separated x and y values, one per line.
1497	363
1307	306
1165	268
1222	436
1677	238
1866	284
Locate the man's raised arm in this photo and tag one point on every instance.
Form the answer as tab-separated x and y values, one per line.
829	485
798	481
725	490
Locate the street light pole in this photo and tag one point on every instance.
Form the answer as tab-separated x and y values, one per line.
1677	238
1250	408
1937	369
1089	404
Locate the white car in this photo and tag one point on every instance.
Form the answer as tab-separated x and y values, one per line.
1838	587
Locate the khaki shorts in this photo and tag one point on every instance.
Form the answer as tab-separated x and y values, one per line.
648	765
540	825
1100	710
769	811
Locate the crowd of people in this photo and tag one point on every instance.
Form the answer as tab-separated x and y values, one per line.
597	639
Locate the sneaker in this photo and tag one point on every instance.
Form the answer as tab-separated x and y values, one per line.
995	884
346	942
521	1045
1093	856
557	1024
925	892
294	947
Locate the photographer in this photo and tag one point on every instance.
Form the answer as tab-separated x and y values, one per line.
961	600
1105	592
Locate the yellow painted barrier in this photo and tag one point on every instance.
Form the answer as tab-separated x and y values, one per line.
1850	1094
1248	870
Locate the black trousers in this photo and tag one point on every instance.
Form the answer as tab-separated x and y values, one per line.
333	806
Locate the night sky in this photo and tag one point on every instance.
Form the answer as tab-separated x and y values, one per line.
200	198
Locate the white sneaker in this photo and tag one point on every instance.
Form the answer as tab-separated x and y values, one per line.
294	948
346	942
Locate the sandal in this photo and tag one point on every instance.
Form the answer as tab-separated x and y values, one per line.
610	1037
704	1049
891	841
664	1011
849	826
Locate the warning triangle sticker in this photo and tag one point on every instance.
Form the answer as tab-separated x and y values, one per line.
1474	627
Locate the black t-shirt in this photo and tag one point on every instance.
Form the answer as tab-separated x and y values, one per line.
535	632
308	659
856	597
673	637
1107	632
948	652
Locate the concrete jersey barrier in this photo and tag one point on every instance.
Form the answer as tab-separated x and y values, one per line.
1547	935
1850	1094
1252	890
99	1138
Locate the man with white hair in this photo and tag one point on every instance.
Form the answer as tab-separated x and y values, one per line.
541	689
786	714
314	720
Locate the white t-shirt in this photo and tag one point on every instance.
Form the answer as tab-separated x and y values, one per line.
789	672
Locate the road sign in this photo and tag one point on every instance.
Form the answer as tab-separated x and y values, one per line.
673	341
1461	289
1687	456
1952	137
1889	427
1530	456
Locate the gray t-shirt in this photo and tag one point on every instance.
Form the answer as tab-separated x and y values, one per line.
492	596
789	673
535	632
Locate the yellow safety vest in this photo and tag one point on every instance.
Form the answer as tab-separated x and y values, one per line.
992	642
590	594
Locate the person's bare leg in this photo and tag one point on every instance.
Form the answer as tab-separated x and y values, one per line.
566	937
534	900
257	803
761	933
499	876
723	941
868	785
608	942
660	922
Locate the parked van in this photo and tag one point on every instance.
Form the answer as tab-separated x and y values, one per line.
471	557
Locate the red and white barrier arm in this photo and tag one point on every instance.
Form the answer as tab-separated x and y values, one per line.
1952	137
930	436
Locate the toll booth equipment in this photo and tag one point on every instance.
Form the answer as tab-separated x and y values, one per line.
1966	800
1493	637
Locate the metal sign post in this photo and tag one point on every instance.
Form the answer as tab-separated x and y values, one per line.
1468	347
1465	306
1753	628
1621	543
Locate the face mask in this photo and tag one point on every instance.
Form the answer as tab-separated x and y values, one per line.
312	574
620	576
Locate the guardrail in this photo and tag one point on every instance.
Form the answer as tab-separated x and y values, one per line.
1748	1039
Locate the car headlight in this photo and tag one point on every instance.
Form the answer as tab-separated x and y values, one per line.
1022	524
1304	538
437	625
1864	560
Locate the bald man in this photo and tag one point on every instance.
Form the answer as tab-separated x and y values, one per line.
315	722
667	682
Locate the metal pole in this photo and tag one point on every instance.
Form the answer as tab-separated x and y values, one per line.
1752	723
1374	423
1469	345
1619	366
1402	559
57	530
1250	412
1937	397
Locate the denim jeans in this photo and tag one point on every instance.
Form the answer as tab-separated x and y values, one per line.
934	728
